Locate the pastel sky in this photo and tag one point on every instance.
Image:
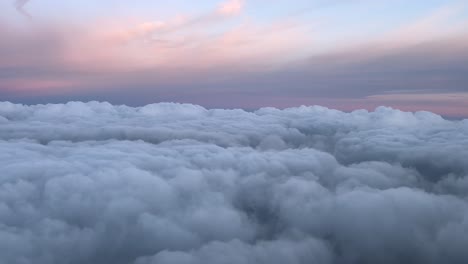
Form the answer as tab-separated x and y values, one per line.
344	54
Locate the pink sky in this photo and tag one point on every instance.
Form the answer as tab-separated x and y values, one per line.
225	56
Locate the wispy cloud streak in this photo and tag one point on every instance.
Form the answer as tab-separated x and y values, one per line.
19	5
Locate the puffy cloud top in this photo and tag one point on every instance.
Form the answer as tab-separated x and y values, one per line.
171	183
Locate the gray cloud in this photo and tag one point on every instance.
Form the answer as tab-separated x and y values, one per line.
171	183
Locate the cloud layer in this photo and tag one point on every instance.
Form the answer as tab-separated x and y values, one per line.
173	183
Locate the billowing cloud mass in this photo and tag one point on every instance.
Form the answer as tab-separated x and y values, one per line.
172	183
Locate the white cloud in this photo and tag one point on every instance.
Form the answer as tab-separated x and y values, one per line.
170	183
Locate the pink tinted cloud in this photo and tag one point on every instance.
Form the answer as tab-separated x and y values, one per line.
172	44
231	7
36	86
131	52
180	42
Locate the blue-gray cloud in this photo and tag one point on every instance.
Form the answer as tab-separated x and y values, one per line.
170	183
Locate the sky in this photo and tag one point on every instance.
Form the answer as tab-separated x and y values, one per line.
343	54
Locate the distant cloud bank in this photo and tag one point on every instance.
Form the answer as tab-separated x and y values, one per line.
176	183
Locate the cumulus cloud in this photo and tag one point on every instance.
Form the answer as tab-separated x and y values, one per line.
177	183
